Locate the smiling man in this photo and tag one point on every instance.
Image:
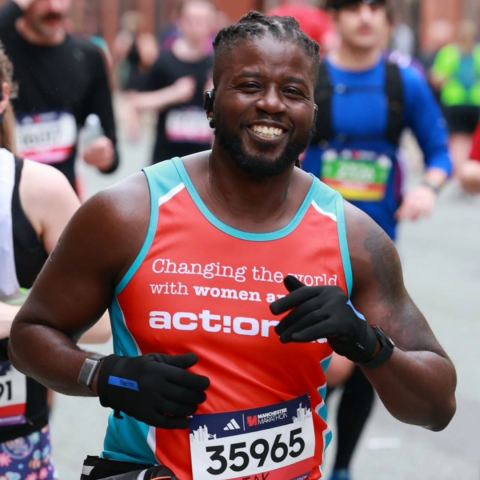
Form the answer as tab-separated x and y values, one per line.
231	387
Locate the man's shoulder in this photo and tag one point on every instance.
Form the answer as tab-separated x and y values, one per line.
83	48
358	225
125	204
364	237
416	87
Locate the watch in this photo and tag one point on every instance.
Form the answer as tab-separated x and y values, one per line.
89	368
386	349
433	186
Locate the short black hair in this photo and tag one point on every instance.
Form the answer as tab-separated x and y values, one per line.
257	25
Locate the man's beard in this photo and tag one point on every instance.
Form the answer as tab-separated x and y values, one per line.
258	168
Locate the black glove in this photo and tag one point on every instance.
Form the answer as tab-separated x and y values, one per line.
153	388
323	312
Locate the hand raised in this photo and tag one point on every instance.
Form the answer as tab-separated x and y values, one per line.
323	312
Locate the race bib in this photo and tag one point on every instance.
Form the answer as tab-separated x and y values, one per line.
188	124
48	137
356	174
275	441
13	395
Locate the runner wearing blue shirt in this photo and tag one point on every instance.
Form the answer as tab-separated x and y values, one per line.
364	103
360	161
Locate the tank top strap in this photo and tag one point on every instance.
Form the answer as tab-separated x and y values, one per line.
9	285
329	202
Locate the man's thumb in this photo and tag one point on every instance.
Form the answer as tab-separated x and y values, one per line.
292	283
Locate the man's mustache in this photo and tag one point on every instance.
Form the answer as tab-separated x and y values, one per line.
53	16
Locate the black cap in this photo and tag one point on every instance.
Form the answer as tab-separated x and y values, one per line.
338	4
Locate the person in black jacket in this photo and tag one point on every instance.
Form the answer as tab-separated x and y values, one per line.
62	80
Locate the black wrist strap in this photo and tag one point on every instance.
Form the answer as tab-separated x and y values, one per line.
386	349
384	354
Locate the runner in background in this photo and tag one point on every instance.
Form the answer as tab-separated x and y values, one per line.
36	202
314	21
134	52
176	84
469	172
62	80
456	73
364	104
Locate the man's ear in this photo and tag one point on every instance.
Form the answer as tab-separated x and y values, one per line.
315	107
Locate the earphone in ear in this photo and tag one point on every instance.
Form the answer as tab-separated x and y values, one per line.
315	107
208	98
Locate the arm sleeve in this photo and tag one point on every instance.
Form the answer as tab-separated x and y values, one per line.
9	13
424	117
475	150
99	101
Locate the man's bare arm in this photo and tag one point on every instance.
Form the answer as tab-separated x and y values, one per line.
417	385
77	284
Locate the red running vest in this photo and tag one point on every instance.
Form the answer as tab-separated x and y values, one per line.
198	285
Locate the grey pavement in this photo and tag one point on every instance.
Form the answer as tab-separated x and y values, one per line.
441	260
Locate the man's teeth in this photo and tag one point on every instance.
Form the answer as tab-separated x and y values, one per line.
268	132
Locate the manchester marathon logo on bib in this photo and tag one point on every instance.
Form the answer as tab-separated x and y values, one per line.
13	395
275	442
47	137
357	174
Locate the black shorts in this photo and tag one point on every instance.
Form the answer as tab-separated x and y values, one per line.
461	118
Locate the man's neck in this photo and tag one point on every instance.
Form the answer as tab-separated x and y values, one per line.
188	52
33	37
237	189
351	58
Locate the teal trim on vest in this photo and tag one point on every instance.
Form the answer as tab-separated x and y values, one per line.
323	412
127	435
123	342
332	202
325	363
162	178
342	238
256	237
326	441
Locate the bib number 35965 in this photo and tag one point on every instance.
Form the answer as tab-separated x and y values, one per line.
277	440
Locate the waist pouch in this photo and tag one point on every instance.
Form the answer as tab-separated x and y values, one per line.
96	468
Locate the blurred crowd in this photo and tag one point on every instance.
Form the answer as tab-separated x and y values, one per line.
450	62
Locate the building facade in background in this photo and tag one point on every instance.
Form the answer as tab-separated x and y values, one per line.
102	17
